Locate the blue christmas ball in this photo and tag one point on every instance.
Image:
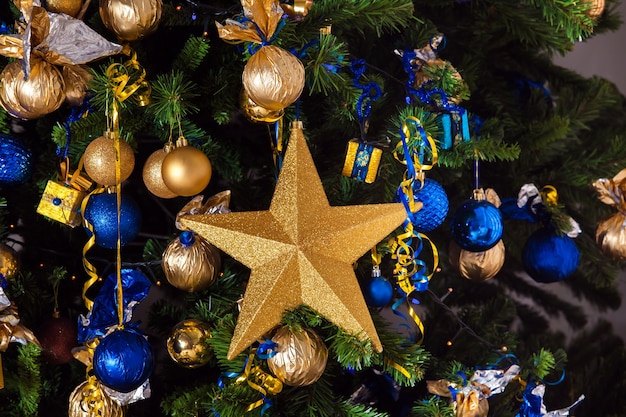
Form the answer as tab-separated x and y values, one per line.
549	257
16	162
101	213
123	360
476	226
377	291
434	209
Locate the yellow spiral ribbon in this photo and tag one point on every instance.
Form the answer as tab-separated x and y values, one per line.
90	269
129	78
91	393
259	380
549	195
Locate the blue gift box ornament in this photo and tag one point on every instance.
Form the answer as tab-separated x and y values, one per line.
362	161
455	128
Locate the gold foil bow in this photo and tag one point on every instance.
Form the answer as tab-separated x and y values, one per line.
262	14
612	191
11	330
216	204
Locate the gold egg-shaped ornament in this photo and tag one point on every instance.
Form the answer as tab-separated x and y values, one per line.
256	113
131	19
41	93
152	177
81	406
68	7
99	159
596	8
188	343
273	78
9	262
186	170
299	358
77	79
611	237
477	266
190	262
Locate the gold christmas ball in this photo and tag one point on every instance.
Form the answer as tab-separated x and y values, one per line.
68	7
152	177
99	159
79	406
131	19
273	78
188	343
477	266
300	357
611	237
256	113
9	261
76	78
190	262
186	171
42	93
596	8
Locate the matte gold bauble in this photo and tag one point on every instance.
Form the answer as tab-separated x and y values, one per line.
68	7
273	78
9	262
188	344
190	262
477	266
131	19
611	237
81	407
152	177
257	113
186	171
99	159
300	357
42	93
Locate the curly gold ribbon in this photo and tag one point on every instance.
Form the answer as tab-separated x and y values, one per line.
128	78
397	367
549	195
267	383
1	374
90	269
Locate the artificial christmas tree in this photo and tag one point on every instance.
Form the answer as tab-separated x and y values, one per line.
276	317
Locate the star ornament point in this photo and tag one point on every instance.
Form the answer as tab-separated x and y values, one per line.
300	251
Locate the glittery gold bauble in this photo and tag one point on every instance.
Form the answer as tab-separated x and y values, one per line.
190	262
477	266
273	78
68	7
42	93
188	344
81	407
99	159
152	177
257	113
131	19
611	237
300	357
186	171
596	8
8	261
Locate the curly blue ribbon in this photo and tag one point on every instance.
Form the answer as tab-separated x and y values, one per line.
77	113
370	93
254	47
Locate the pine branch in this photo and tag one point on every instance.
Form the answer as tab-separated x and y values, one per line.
29	378
191	55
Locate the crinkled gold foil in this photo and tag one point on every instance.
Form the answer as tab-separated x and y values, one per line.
611	236
477	266
131	19
191	268
81	406
257	113
216	204
273	78
11	46
299	358
77	79
41	93
68	7
265	13
471	405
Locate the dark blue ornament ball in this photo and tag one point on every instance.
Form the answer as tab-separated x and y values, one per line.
377	292
477	225
549	257
16	162
101	212
435	205
123	360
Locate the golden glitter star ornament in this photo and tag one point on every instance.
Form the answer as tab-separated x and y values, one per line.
300	251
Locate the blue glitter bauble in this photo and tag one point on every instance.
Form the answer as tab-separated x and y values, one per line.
549	257
101	212
435	206
16	162
377	292
477	225
123	360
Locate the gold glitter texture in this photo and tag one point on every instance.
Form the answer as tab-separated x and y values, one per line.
300	251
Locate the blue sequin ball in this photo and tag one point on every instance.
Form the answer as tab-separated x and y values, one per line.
16	162
123	360
101	212
549	257
477	225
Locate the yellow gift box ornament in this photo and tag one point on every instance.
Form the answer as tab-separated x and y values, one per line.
362	161
61	200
